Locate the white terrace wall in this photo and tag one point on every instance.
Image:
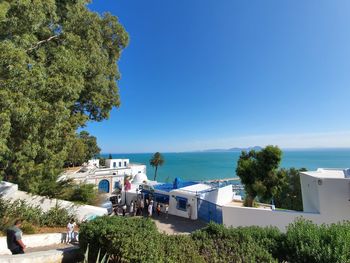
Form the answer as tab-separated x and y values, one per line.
218	196
246	216
36	240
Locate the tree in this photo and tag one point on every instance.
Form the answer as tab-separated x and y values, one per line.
77	153
102	161
258	173
57	71
289	196
157	160
92	149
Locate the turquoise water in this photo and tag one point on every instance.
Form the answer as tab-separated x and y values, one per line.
215	165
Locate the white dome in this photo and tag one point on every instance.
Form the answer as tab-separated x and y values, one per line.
139	178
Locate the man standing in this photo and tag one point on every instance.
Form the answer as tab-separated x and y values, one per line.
14	238
150	209
70	231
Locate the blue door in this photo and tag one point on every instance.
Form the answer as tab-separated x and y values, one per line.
103	186
208	211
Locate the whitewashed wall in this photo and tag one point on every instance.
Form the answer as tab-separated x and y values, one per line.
191	199
219	196
246	216
31	241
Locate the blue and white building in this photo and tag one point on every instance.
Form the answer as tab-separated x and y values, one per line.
192	200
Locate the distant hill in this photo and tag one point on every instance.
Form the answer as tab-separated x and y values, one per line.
235	149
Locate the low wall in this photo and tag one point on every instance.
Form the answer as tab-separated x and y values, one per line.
51	256
247	216
36	240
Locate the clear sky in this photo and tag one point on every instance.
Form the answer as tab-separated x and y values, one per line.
202	74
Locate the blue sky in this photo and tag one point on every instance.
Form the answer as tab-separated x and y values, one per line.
204	74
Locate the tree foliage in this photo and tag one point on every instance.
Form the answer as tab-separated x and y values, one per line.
258	172
289	195
57	70
137	240
157	160
83	148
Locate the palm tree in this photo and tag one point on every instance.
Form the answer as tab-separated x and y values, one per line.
157	160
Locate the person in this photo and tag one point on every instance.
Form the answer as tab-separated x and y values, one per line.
189	209
14	238
70	230
135	208
150	209
158	209
131	209
142	206
124	209
166	210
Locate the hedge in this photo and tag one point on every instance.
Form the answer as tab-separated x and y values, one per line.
137	240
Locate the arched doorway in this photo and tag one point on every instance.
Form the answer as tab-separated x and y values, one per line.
103	186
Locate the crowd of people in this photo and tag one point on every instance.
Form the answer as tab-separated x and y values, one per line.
141	207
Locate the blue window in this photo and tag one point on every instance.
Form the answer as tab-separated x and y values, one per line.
181	203
120	164
125	164
114	164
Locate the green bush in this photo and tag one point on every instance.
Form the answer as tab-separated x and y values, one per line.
180	248
137	240
123	239
33	216
220	244
82	194
28	228
307	242
56	216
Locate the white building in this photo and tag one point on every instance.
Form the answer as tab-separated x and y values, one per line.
326	199
110	178
191	199
94	163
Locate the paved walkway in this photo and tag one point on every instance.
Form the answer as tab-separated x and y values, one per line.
176	225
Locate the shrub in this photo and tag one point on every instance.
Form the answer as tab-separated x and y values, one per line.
56	216
307	242
180	248
28	228
83	194
33	216
123	239
217	243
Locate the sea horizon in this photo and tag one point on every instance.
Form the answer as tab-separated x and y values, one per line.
201	166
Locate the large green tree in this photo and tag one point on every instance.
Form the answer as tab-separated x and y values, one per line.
156	161
83	148
258	171
92	149
289	196
57	71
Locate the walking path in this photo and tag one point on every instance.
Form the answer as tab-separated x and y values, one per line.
176	225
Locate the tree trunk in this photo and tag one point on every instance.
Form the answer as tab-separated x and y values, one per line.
249	201
155	174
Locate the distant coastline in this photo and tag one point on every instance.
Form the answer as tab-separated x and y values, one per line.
235	149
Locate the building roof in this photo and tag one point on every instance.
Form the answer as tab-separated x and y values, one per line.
170	186
196	188
329	173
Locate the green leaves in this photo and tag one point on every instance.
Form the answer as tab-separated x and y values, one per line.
157	160
258	173
57	71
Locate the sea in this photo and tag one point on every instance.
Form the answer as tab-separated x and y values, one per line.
201	166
